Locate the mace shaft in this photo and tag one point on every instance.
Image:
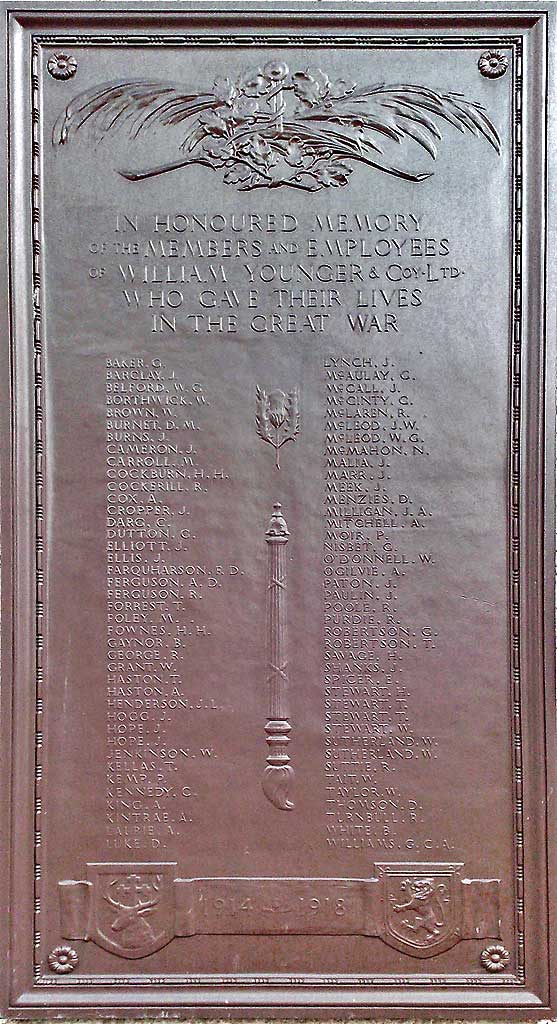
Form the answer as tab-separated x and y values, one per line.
278	772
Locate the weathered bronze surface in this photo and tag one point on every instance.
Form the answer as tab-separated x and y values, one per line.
278	648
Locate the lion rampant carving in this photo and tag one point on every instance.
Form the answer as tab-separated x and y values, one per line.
424	907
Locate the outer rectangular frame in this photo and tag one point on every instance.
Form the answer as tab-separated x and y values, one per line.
21	482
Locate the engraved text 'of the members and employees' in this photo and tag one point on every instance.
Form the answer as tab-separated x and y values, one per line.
274	273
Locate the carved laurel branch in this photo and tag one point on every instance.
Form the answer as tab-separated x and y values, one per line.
271	127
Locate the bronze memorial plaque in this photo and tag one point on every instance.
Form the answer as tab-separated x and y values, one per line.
278	511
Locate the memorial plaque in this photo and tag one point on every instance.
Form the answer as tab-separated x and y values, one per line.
278	514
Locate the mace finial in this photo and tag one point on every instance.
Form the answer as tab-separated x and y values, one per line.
277	523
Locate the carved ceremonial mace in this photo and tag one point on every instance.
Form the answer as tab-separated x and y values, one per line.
279	772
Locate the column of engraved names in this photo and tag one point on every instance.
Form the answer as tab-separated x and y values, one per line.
372	435
155	496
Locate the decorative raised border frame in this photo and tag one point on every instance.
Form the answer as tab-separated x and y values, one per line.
348	42
515	43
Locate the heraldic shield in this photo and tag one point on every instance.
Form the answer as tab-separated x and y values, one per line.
132	910
421	907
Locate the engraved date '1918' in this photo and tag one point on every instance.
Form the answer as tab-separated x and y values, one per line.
273	127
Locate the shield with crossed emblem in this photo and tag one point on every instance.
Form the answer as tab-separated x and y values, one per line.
421	907
132	907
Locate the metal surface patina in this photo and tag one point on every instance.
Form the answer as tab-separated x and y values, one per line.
278	511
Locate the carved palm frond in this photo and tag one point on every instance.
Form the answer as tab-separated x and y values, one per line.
293	416
398	111
262	422
138	105
408	103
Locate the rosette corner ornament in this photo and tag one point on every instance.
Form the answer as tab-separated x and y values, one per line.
63	959
274	126
495	958
61	66
493	64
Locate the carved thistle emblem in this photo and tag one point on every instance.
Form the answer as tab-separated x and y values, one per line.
132	907
273	126
277	418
